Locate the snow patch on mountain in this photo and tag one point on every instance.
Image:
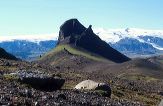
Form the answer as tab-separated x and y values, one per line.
156	46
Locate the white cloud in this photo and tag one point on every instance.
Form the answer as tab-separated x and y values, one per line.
32	38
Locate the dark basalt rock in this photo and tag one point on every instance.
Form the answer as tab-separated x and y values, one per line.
70	30
73	32
40	81
45	84
5	55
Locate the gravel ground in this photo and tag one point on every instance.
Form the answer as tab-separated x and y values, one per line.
11	93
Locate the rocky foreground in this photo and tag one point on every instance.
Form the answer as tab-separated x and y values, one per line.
14	94
124	92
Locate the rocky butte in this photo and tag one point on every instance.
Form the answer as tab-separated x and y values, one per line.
74	33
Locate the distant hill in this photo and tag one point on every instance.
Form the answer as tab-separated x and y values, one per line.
28	50
5	55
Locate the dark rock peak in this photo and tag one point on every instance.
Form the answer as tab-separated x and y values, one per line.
73	32
71	27
5	55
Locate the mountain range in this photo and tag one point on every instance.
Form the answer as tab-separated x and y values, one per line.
134	42
131	42
28	50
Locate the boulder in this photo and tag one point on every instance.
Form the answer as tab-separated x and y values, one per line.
39	80
92	85
87	84
47	84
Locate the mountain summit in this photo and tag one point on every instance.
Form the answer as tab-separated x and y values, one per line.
74	33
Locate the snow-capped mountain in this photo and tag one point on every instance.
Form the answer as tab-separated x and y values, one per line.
115	35
130	41
28	50
28	47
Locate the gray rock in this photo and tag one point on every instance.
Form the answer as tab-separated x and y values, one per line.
92	85
48	84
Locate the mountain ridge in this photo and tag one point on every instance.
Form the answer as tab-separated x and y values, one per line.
74	33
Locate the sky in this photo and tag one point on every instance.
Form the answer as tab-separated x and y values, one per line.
27	17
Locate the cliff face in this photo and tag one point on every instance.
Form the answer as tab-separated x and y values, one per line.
73	32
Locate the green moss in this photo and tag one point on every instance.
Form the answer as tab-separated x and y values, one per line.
9	68
10	77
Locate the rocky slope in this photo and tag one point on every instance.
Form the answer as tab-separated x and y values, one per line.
5	55
128	92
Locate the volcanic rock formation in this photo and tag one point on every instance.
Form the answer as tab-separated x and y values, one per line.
74	33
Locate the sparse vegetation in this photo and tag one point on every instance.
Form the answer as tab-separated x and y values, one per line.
134	76
10	77
148	99
73	51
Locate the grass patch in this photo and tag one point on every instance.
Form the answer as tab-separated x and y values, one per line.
73	51
135	76
8	68
151	99
10	77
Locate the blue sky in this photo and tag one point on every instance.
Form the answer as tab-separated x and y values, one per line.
45	16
